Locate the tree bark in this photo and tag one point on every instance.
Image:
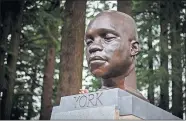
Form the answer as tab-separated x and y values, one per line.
5	23
184	36
72	46
12	57
150	64
177	94
32	88
5	30
125	6
0	59
164	85
46	104
1	16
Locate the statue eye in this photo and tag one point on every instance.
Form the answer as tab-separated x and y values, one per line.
88	42
109	37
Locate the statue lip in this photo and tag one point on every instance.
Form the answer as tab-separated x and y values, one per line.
96	58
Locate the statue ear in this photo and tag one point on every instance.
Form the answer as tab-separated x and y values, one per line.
134	47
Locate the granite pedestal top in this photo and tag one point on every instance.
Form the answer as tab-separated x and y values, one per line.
103	104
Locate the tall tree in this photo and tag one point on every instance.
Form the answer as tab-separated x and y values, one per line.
5	31
72	45
150	66
184	38
5	23
177	94
17	13
38	19
51	32
46	104
125	6
0	15
164	84
0	62
30	96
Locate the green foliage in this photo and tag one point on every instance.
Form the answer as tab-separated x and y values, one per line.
95	86
40	30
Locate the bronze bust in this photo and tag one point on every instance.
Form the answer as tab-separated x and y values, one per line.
111	43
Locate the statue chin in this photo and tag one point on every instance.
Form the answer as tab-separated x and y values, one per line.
98	73
101	74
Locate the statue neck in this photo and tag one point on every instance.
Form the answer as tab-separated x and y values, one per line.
130	80
127	80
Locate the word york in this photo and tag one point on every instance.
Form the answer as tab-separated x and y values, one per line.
88	100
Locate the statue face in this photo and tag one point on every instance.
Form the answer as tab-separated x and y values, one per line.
108	49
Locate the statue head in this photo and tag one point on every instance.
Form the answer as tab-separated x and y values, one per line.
111	44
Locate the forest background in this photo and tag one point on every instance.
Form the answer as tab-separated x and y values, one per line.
42	53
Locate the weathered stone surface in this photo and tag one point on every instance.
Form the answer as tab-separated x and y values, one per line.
140	108
104	112
102	104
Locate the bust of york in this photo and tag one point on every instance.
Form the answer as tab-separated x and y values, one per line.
111	47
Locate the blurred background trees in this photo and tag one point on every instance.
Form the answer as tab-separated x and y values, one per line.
41	53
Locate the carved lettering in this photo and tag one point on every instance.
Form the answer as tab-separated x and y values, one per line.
76	100
97	98
90	98
83	102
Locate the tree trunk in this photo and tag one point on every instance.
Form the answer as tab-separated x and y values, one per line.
177	96
46	104
150	64
12	57
125	6
4	31
184	38
1	16
30	103
72	46
32	88
0	63
164	85
3	48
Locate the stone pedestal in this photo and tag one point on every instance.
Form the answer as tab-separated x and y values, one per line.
108	104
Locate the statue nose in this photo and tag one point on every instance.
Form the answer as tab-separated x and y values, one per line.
95	47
